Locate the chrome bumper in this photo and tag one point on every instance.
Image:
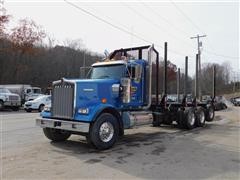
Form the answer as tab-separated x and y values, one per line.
64	125
12	103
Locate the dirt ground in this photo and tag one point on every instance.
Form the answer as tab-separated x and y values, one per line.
211	152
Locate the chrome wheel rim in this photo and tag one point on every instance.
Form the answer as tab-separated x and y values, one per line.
191	119
106	132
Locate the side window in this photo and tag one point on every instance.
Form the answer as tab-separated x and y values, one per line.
135	72
131	70
28	91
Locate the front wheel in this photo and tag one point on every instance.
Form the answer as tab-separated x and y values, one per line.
40	108
104	132
56	135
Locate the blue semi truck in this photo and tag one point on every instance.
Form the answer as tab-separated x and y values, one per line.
117	94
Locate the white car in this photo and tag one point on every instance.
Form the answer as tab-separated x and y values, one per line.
38	103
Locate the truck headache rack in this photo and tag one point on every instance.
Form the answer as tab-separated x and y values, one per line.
139	53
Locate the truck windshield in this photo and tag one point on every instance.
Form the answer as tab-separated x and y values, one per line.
108	72
4	90
37	91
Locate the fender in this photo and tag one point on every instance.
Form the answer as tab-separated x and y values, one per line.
110	109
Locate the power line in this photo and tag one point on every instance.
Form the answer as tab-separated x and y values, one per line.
199	29
153	23
186	16
152	10
221	55
107	22
119	28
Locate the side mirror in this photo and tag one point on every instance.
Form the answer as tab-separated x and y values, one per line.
138	72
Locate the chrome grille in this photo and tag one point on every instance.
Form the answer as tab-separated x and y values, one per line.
13	98
63	100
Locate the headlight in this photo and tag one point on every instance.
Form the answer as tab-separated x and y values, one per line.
7	97
83	111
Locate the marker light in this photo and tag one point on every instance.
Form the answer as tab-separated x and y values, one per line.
104	100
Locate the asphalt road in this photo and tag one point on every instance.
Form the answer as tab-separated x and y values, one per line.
211	152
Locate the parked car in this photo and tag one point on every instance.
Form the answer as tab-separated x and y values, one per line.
235	101
219	103
38	103
9	100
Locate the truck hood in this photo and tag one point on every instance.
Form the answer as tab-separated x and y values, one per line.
92	91
9	94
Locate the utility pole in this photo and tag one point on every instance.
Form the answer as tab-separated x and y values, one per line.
2	9
199	43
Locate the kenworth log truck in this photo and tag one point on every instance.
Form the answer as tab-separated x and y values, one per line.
117	95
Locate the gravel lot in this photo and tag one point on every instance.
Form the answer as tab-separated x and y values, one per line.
212	152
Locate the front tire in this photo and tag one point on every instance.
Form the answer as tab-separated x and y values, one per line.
56	135
104	132
41	107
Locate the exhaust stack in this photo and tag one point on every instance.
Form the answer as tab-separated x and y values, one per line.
186	76
178	84
214	83
196	79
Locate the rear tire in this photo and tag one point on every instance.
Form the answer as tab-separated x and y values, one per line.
200	117
189	118
56	135
180	118
104	131
1	105
209	113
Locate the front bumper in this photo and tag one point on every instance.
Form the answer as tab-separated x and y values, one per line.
64	125
31	106
12	103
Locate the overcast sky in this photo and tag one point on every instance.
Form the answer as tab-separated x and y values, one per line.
156	22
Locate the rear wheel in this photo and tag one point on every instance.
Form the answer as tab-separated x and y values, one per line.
180	118
56	135
200	117
189	118
1	105
104	132
209	113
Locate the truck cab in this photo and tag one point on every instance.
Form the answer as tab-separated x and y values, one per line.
120	92
104	104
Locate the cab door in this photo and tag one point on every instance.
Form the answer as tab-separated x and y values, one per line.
136	76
